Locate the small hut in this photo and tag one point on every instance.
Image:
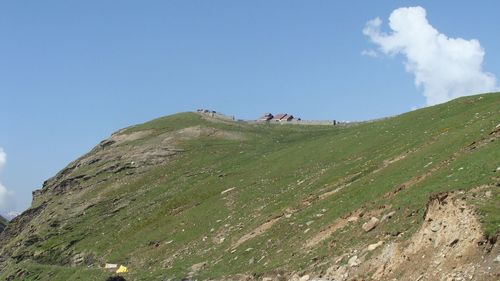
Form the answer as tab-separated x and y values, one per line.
287	118
283	117
266	117
279	116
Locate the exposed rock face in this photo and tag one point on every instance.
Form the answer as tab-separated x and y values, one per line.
117	156
113	155
448	246
125	156
16	226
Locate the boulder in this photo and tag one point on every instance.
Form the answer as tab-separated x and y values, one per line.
199	266
388	216
305	278
371	224
353	261
375	246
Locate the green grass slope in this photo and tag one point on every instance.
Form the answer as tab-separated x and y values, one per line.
235	198
3	223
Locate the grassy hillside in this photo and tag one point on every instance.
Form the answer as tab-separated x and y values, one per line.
187	195
3	223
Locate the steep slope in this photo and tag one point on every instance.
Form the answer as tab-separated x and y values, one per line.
192	196
3	223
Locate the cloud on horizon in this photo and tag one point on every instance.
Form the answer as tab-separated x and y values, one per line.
4	193
445	68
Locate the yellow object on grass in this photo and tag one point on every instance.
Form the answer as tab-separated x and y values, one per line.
122	269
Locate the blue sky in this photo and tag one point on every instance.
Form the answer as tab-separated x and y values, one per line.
72	72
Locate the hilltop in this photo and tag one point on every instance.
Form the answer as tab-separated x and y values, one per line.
412	197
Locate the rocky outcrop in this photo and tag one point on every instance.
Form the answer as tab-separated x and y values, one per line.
126	155
450	245
121	156
119	153
16	226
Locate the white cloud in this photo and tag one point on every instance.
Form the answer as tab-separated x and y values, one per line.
4	193
3	158
370	53
445	68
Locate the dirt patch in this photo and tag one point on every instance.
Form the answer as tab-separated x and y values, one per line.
328	231
120	137
347	181
343	222
256	232
201	131
391	161
448	246
331	192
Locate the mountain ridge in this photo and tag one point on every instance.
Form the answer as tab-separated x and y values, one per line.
3	223
188	196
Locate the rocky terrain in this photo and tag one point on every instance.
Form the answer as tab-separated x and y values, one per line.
3	223
188	196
